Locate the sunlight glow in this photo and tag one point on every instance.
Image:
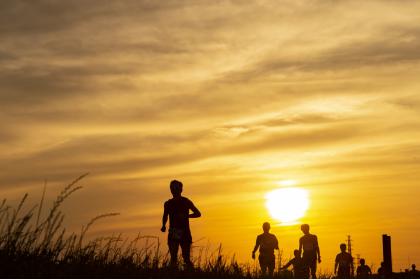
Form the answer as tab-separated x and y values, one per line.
287	204
287	183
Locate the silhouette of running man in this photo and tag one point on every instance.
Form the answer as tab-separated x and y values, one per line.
344	263
309	243
363	271
298	266
178	210
267	243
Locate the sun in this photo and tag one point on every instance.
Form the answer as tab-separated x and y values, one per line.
287	205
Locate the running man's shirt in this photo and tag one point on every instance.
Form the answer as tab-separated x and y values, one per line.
268	243
178	209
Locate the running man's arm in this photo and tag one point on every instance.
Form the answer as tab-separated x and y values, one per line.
165	217
195	212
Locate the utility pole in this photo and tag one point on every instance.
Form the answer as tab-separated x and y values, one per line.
357	260
349	250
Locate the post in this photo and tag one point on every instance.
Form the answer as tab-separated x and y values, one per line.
386	245
350	252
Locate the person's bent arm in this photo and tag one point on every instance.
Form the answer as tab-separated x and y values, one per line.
287	265
164	218
195	212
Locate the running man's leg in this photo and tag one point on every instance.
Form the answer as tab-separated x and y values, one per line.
186	253
173	251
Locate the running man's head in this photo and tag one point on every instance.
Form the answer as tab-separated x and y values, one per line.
343	247
305	228
176	188
296	253
266	227
413	266
362	261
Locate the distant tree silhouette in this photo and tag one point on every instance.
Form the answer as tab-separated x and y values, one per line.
178	210
267	243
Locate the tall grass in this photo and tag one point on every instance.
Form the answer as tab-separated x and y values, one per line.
32	246
35	247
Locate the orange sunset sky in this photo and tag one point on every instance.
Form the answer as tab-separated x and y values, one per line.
231	98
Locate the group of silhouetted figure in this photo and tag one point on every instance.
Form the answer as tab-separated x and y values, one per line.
305	258
304	263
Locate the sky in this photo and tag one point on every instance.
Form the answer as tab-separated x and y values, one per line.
229	97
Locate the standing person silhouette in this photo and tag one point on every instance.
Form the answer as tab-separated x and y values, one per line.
267	243
178	210
309	244
381	271
363	271
414	273
344	263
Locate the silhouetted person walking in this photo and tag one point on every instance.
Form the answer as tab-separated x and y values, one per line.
267	243
178	210
382	271
309	243
363	271
298	266
344	263
414	273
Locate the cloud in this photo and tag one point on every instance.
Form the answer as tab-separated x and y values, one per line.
411	103
125	154
391	46
46	17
